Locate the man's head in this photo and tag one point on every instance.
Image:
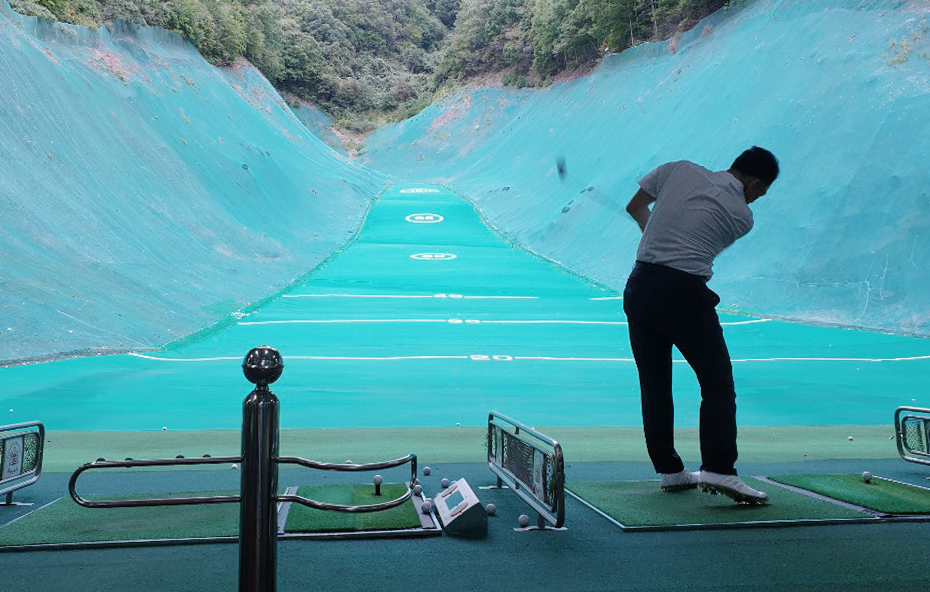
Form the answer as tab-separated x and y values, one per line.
757	168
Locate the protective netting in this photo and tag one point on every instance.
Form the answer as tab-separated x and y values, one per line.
523	460
915	433
145	194
27	448
838	90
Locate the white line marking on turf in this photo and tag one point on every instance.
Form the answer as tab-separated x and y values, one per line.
908	359
567	359
608	298
454	322
352	296
378	358
411	296
528	358
330	321
493	297
29	513
218	359
446	321
337	358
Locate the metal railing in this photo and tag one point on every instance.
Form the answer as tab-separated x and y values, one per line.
258	497
539	480
21	448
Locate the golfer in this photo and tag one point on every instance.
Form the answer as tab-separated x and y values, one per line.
695	214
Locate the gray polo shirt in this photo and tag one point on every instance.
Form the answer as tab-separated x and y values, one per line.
697	214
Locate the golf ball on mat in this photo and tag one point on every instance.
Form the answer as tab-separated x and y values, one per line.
378	480
427	507
523	520
850	438
444	483
492	510
417	489
867	477
427	471
234	467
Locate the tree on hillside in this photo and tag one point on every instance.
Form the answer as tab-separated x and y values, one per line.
363	60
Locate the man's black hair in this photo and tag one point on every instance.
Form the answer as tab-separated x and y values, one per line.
759	163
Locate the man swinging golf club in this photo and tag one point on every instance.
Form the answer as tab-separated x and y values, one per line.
696	214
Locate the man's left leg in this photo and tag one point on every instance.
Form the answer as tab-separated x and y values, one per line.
701	342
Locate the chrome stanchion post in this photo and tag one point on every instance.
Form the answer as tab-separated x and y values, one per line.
258	525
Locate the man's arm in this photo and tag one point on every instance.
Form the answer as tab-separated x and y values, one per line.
639	207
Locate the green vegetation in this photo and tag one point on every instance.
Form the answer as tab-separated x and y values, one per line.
369	61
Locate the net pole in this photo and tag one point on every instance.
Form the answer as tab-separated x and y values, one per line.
258	524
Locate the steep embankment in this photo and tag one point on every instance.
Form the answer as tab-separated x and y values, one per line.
839	90
145	194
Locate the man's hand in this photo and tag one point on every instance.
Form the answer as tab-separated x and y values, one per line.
638	208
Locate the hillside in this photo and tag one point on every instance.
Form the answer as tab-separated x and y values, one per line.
146	194
839	91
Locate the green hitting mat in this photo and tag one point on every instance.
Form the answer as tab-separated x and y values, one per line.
63	524
879	495
301	519
641	505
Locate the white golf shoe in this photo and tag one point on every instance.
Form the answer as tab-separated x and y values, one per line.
732	487
679	481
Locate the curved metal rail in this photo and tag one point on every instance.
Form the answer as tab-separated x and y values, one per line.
179	501
312	464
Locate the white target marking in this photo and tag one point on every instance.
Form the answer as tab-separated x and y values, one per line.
420	190
424	218
433	256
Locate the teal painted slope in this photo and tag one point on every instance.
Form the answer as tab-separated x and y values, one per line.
145	194
828	85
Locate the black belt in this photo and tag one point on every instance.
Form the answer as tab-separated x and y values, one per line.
657	269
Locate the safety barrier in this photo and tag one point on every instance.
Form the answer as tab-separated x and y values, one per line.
913	434
21	448
530	463
258	497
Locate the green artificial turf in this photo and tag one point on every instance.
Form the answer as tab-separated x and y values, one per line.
642	503
884	496
63	521
304	519
67	450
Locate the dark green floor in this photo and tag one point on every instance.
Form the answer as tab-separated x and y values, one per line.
591	554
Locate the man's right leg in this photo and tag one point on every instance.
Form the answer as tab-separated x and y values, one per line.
653	354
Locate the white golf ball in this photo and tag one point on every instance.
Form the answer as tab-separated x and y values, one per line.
492	510
427	471
850	438
444	483
417	490
378	480
427	507
867	477
523	520
234	467
164	428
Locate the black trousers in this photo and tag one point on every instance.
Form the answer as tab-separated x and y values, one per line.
667	307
